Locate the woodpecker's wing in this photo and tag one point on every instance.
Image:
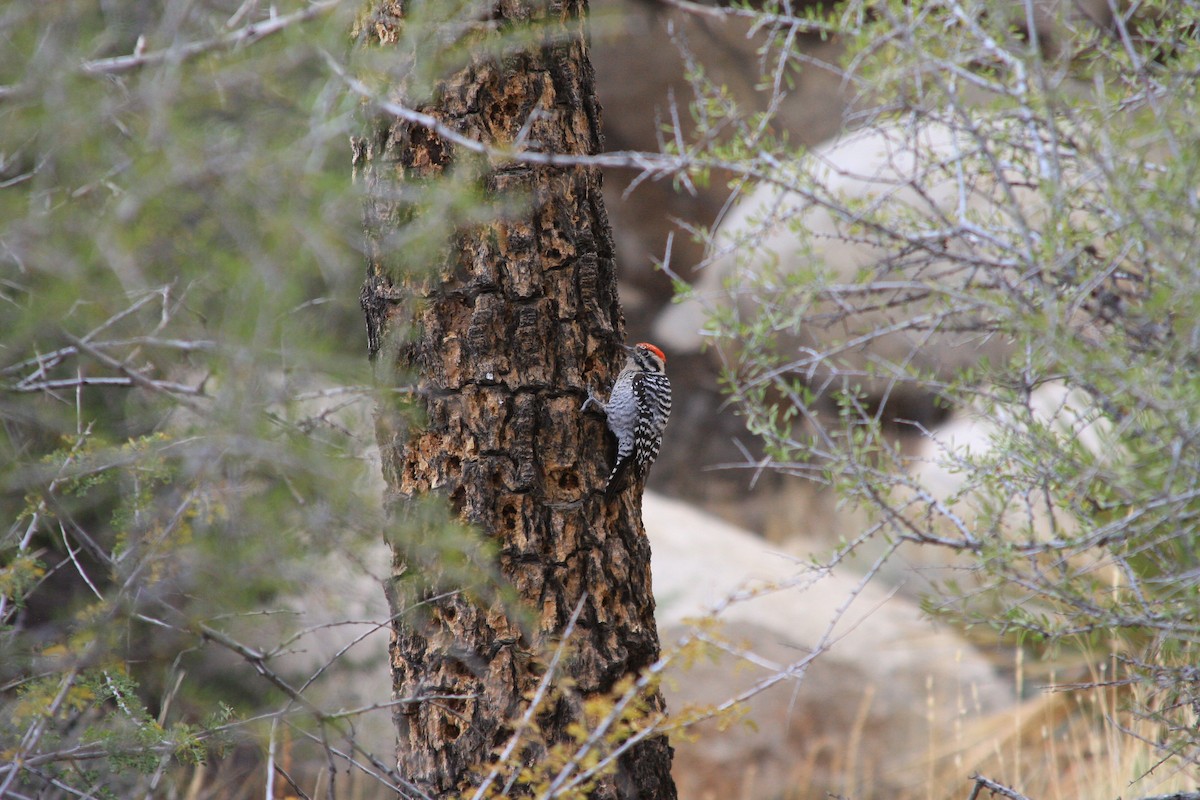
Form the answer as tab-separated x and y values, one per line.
653	392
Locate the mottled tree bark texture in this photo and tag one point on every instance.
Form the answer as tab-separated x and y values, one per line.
517	320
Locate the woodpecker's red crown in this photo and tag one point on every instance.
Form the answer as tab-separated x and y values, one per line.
654	350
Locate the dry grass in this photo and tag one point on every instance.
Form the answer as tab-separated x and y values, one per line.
1055	745
1060	745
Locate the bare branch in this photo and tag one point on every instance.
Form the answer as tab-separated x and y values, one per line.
995	788
246	35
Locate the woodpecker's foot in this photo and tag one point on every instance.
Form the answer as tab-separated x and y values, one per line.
593	400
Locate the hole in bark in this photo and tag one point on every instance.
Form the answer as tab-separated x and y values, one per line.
503	734
510	517
568	481
454	463
449	613
450	730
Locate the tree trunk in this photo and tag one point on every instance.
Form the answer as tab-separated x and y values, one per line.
521	318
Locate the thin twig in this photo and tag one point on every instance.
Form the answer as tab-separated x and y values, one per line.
534	704
248	34
995	788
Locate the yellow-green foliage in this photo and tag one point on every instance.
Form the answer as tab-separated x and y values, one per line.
608	724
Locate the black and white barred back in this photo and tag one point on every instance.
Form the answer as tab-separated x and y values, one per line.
637	410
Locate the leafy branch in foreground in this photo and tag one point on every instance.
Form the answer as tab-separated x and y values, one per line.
1007	239
181	389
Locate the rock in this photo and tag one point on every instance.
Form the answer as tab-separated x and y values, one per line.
834	229
860	720
942	493
640	50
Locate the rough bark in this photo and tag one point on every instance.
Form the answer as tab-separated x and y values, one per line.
520	319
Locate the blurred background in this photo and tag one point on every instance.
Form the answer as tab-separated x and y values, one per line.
191	602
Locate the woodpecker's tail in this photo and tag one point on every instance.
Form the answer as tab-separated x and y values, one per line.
623	475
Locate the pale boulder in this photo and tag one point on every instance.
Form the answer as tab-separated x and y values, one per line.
953	493
911	211
860	720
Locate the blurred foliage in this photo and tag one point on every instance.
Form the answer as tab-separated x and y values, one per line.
184	392
1058	222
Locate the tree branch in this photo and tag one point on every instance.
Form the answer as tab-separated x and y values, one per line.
245	35
982	783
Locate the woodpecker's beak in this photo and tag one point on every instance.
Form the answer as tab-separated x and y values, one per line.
627	348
